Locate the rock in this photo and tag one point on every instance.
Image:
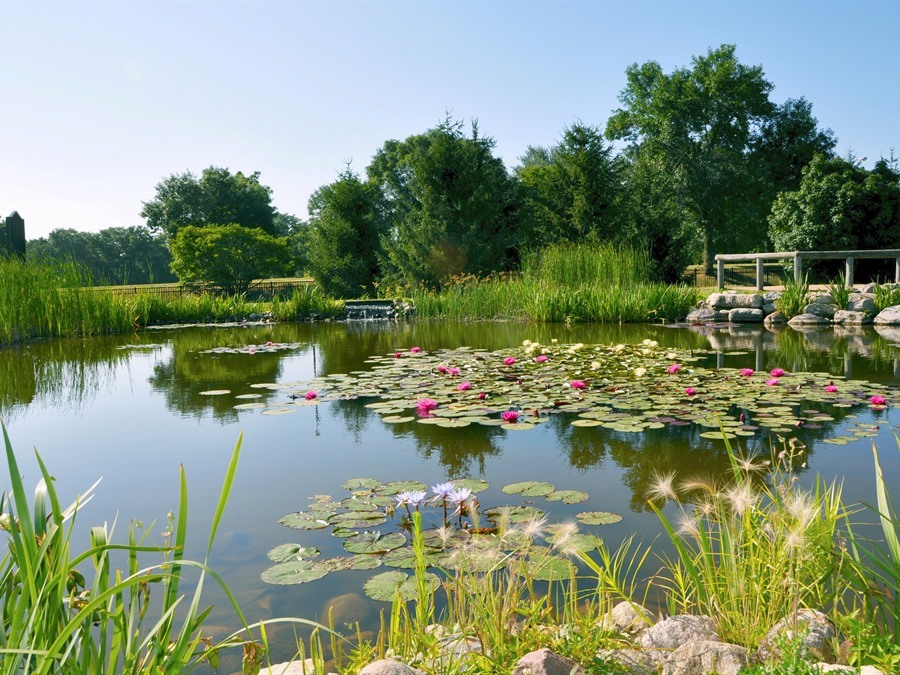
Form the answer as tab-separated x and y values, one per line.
851	316
706	656
860	303
816	630
626	617
771	296
732	300
676	630
389	667
775	317
823	299
459	646
634	661
889	316
291	668
744	315
826	311
768	308
721	315
808	320
868	288
349	609
545	662
701	315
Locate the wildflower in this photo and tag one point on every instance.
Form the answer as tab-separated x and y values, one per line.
464	386
510	416
690	391
878	399
410	497
481	396
415	350
772	382
577	384
687	525
310	395
542	358
777	372
595	365
454	371
663	487
509	360
747	372
443	490
674	368
426	405
640	372
459	495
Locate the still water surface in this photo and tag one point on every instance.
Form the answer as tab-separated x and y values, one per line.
130	409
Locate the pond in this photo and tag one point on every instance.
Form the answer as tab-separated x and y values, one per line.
133	408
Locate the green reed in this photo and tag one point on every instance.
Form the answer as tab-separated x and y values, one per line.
306	302
575	265
840	291
794	298
886	295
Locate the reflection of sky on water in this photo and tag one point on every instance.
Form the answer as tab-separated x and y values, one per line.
132	416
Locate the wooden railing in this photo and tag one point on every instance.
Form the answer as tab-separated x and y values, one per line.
798	257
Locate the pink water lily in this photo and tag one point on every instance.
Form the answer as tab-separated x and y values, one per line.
415	350
747	372
777	372
454	371
577	384
269	343
442	370
310	395
426	405
831	388
690	391
464	386
509	360
510	416
878	399
397	355
481	396
543	358
674	368
772	382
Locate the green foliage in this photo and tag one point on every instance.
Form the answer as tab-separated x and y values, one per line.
794	298
578	265
216	198
228	256
306	302
571	190
839	205
840	291
886	295
347	222
453	208
116	255
54	618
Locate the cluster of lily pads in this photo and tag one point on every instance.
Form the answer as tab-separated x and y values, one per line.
458	532
255	349
624	388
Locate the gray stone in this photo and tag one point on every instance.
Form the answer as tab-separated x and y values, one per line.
701	315
721	315
744	315
771	296
459	646
860	303
676	630
291	668
824	310
775	317
635	661
816	631
389	667
732	300
808	320
868	288
823	299
889	316
852	317
545	662
626	617
768	308
706	656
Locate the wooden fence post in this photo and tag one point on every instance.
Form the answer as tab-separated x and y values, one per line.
720	273
798	267
760	274
848	270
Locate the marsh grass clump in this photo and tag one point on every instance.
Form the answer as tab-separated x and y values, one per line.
794	298
840	291
886	295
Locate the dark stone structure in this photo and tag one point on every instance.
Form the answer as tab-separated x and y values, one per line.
12	235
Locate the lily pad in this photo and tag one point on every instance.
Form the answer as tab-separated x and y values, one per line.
374	542
303	521
295	572
473	484
386	585
215	392
567	496
598	518
292	552
528	489
361	484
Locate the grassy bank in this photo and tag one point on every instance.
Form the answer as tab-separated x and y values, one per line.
566	283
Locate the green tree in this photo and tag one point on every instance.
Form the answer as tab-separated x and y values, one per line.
115	255
228	256
839	205
571	190
218	197
452	206
697	124
347	220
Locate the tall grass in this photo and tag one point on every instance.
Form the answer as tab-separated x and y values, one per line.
75	613
306	302
794	298
564	283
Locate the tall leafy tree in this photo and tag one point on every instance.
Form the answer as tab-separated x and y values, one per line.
571	189
453	208
346	224
217	197
839	205
697	124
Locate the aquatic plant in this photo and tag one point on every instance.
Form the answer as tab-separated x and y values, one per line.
886	295
794	298
840	291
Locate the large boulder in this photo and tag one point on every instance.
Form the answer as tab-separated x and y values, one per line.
676	630
732	300
851	317
389	667
889	316
860	303
545	662
815	631
745	315
775	318
701	315
706	656
823	309
808	319
626	617
634	661
307	667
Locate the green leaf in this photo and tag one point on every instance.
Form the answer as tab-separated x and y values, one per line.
374	542
598	518
386	585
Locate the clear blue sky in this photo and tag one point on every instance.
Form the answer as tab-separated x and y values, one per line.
100	101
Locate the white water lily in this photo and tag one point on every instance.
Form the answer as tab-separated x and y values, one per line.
639	372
